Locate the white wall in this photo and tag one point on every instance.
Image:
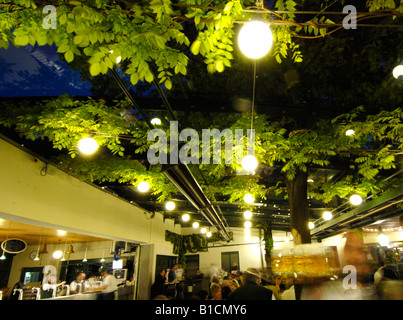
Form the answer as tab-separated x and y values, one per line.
60	201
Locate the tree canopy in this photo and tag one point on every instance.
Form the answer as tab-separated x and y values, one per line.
192	43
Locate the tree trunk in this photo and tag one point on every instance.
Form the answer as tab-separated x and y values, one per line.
299	209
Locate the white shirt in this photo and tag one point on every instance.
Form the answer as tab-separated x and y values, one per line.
110	284
77	286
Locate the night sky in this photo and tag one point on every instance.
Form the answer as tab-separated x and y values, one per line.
37	71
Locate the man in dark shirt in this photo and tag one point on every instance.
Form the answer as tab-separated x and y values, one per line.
251	289
158	286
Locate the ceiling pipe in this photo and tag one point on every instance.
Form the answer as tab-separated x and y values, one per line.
183	179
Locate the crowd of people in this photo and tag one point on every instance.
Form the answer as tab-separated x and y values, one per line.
361	281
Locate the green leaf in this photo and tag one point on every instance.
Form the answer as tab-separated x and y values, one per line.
168	84
95	69
219	66
195	47
69	56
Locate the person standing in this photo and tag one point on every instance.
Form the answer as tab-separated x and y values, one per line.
172	273
158	286
109	286
251	289
77	286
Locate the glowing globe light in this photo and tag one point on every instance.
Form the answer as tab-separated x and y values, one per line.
398	71
355	200
203	230
155	121
248	198
255	39
57	254
185	217
350	132
247	224
383	239
170	205
327	215
247	214
311	225
249	163
208	234
87	145
143	186
195	225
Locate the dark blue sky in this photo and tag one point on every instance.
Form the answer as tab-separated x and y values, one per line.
37	71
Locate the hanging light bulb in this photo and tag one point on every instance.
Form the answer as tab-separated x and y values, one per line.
155	121
143	186
311	225
249	163
58	253
398	71
247	224
255	39
247	214
87	145
383	239
185	217
203	230
355	200
208	234
350	132
170	205
3	257
327	215
248	198
195	225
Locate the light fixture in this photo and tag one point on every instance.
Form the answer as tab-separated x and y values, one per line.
350	132
249	163
143	186
87	145
247	224
203	230
195	225
170	205
248	198
310	180
3	257
58	253
64	251
208	234
311	225
255	39
398	71
102	259
247	214
185	217
383	239
155	121
355	200
327	215
85	255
